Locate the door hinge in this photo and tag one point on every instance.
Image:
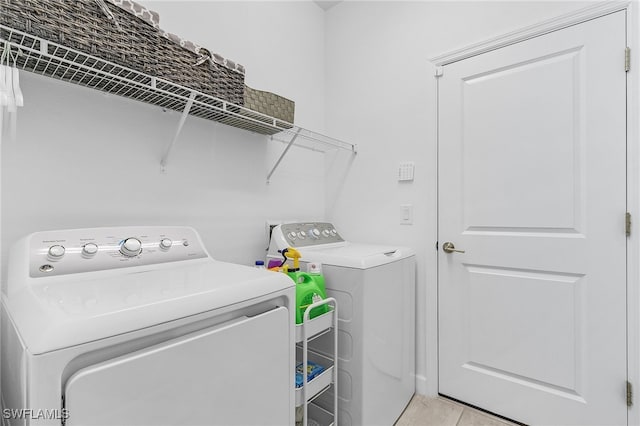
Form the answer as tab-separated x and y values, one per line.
629	394
627	59
627	223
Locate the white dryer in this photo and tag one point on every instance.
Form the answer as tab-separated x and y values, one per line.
140	326
374	286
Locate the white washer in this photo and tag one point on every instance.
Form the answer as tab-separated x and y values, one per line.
375	289
140	326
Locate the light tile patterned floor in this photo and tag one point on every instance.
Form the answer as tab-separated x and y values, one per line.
426	411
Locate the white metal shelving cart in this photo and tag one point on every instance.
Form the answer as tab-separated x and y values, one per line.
307	331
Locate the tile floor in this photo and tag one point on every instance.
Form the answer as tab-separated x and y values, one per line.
426	411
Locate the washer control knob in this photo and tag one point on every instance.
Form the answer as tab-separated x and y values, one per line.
56	252
292	235
165	243
333	232
89	249
314	233
326	233
131	247
302	235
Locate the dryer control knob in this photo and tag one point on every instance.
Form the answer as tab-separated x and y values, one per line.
302	235
89	249
333	232
314	233
131	247
326	233
165	243
56	252
292	235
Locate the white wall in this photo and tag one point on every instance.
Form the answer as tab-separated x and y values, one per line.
381	94
83	158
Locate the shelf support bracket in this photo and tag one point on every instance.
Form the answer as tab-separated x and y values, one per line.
183	118
275	166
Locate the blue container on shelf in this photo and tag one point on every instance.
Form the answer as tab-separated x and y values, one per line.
313	370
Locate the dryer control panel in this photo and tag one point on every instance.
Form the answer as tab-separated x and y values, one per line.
94	249
309	234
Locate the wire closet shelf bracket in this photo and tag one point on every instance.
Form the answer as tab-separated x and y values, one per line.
54	60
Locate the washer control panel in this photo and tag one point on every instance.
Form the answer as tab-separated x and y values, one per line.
310	234
96	249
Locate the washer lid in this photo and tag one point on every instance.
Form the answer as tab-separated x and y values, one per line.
353	255
63	311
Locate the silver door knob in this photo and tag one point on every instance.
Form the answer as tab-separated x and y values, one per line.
448	247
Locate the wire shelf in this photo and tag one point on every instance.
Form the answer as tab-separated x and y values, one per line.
53	60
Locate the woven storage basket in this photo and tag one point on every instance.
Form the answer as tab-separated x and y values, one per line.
178	65
269	103
82	25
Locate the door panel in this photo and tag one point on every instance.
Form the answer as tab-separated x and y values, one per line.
506	196
532	178
507	352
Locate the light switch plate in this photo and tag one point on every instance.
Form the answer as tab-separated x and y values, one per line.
406	214
406	171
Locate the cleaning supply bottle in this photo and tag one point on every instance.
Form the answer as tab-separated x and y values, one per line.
260	264
286	255
309	288
291	253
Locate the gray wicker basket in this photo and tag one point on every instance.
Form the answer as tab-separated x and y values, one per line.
269	103
178	65
83	25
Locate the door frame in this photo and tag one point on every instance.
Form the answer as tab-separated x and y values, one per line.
633	170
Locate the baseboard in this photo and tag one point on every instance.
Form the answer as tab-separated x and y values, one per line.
422	387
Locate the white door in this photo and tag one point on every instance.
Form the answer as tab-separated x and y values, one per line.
235	373
532	182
